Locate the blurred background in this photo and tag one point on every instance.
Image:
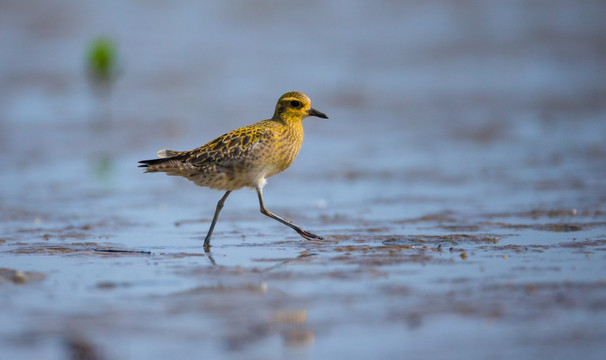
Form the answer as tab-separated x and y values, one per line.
409	85
461	113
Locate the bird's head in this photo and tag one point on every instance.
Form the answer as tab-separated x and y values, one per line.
295	106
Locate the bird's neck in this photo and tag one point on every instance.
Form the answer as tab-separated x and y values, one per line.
294	124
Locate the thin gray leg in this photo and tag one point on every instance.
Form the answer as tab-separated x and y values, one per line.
306	234
212	224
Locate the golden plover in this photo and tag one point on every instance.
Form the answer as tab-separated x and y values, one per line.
244	157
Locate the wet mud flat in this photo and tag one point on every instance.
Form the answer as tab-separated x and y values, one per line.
459	184
512	290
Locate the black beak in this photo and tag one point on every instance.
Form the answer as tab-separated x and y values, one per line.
316	113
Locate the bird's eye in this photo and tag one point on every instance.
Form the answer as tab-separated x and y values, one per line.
295	103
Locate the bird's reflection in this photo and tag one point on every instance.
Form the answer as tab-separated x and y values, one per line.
210	257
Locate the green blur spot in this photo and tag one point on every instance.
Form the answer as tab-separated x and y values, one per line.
102	60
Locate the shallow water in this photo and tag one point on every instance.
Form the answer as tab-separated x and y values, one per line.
459	182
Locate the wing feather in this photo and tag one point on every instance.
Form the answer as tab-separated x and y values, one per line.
232	147
227	150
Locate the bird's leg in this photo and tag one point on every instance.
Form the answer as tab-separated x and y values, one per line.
306	234
212	224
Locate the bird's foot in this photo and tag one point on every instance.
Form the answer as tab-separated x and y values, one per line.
307	235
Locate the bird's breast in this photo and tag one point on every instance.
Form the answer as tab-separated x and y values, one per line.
287	149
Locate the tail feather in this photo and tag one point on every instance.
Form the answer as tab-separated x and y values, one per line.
165	153
166	157
148	163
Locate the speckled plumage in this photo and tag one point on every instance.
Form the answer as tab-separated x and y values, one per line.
244	157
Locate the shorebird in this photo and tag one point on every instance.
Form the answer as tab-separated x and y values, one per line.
244	157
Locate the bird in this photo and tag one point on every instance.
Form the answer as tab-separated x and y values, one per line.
244	157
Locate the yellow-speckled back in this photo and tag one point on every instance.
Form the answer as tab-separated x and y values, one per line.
245	156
